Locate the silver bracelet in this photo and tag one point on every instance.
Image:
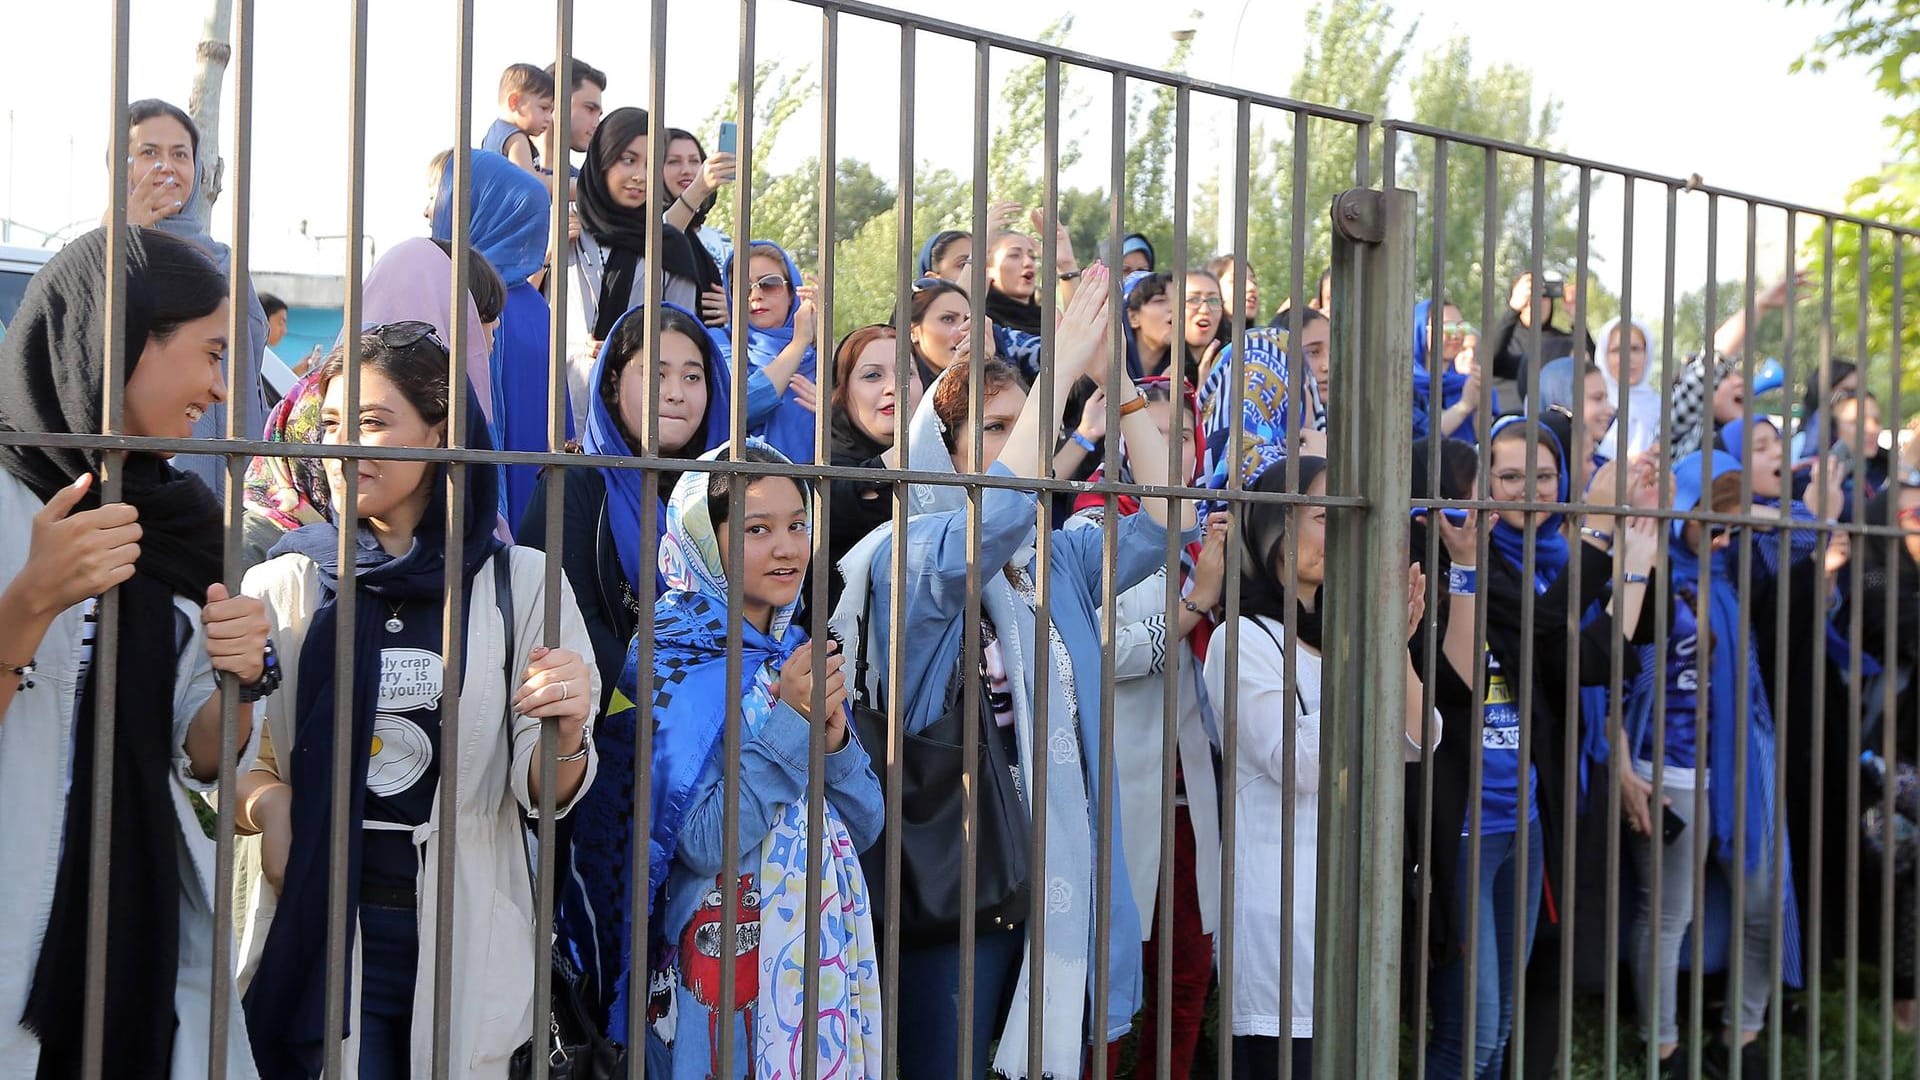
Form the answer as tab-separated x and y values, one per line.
586	746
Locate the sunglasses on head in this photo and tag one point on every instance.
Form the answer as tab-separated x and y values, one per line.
405	334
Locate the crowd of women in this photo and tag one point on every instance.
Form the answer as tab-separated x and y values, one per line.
1695	758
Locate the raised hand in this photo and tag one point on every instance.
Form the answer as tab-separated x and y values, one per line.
1079	344
1416	597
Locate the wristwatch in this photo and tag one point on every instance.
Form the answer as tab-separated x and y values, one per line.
1071	275
267	683
1133	404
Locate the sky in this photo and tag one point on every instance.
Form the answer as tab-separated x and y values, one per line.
1674	88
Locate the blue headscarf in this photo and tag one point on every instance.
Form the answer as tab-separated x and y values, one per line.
1550	550
688	683
1729	669
286	1002
1452	383
509	226
603	437
926	249
790	429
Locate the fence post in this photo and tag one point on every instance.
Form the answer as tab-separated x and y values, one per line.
1364	685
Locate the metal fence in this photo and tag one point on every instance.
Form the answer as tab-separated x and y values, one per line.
1369	1009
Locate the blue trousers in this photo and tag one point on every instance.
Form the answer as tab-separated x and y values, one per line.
1494	987
389	962
929	1002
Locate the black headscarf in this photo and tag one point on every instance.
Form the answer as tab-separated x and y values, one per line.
851	444
52	370
1004	310
621	230
1264	533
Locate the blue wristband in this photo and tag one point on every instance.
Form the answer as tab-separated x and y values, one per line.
1463	580
1084	443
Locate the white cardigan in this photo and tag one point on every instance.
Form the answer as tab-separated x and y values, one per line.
1144	657
1263	794
494	951
36	748
589	262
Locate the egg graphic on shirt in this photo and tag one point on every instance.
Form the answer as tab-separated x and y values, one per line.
400	755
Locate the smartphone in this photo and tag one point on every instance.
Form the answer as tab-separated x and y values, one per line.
1453	514
729	137
1670	825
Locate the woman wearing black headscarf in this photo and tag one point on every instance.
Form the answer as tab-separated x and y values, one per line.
178	633
1279	769
609	257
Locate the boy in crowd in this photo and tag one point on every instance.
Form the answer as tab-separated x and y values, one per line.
526	114
589	84
276	310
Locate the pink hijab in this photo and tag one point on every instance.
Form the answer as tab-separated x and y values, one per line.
414	280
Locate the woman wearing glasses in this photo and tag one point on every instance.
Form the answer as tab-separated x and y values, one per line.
510	684
1457	372
1516	791
781	332
1155	329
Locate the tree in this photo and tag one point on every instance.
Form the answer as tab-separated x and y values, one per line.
1452	92
785	206
1883	33
1149	168
203	104
1353	57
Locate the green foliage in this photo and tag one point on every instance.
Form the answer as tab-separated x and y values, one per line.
781	205
1886	34
1353	58
1453	92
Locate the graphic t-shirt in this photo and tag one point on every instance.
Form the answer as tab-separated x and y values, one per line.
1683	685
1500	746
403	766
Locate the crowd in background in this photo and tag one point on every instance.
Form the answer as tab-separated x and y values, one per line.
1686	717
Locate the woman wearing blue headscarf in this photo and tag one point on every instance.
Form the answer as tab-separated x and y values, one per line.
781	329
508	225
1459	390
1528	554
607	556
1733	727
690	692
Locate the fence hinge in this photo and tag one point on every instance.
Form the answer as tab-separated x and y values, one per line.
1360	215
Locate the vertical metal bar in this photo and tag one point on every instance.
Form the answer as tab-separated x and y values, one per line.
897	560
1036	779
556	538
1856	601
646	588
1889	744
1620	754
339	958
453	620
1235	557
1430	662
239	426
1784	672
1360	813
825	372
1173	685
106	657
1743	646
736	555
1702	615
1564	875
1289	660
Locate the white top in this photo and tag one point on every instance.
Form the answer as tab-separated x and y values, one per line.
1265	794
495	951
1145	656
589	262
36	755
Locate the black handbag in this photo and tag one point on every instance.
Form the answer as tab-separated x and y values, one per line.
576	1050
933	814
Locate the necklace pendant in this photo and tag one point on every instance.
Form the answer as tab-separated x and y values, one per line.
394	625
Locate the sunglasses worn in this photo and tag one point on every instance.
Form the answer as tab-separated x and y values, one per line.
1457	329
767	283
1716	531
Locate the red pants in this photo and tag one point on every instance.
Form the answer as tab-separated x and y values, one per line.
1192	970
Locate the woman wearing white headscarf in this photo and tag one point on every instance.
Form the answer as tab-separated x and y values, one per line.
1630	355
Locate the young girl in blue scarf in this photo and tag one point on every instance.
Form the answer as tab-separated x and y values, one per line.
689	702
1730	807
1513	791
